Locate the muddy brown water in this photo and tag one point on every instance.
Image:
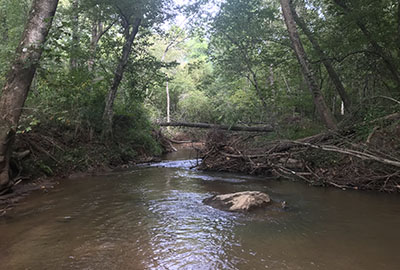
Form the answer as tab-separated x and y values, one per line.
152	217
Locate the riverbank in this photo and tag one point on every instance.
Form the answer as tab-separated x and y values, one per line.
48	152
52	155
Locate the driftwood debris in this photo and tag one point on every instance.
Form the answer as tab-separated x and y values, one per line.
329	159
220	127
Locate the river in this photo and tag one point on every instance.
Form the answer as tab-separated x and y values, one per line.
152	217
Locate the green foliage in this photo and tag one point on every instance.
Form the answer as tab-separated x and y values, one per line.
195	106
133	127
13	15
293	127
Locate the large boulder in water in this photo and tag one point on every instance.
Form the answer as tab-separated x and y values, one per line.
240	201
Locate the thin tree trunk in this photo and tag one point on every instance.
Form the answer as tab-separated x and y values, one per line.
75	35
271	76
96	29
20	78
173	43
325	60
322	108
97	32
287	84
118	75
253	80
167	83
168	102
386	57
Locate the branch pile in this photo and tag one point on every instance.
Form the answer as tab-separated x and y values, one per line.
338	159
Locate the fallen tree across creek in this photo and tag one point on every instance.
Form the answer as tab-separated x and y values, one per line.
221	127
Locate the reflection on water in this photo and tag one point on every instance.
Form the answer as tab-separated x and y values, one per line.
153	218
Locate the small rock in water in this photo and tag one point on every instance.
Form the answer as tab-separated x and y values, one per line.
240	201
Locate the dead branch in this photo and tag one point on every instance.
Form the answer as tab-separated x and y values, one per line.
213	126
354	153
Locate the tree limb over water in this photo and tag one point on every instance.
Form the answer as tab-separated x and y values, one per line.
222	127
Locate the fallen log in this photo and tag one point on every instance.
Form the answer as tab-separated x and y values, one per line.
221	127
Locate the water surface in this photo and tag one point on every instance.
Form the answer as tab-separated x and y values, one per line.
152	217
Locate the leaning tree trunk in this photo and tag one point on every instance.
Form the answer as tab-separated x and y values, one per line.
322	108
327	63
19	79
385	55
112	93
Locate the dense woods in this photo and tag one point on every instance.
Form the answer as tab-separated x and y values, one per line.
109	71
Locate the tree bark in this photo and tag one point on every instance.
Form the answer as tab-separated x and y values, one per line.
325	60
322	108
118	75
75	35
19	79
167	83
212	126
168	102
386	56
254	81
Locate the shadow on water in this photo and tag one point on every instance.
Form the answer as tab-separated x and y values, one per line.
152	217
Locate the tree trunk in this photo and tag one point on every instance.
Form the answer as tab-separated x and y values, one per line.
97	32
168	102
96	29
322	108
169	46
271	77
223	127
253	80
75	35
386	56
19	79
118	75
325	60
